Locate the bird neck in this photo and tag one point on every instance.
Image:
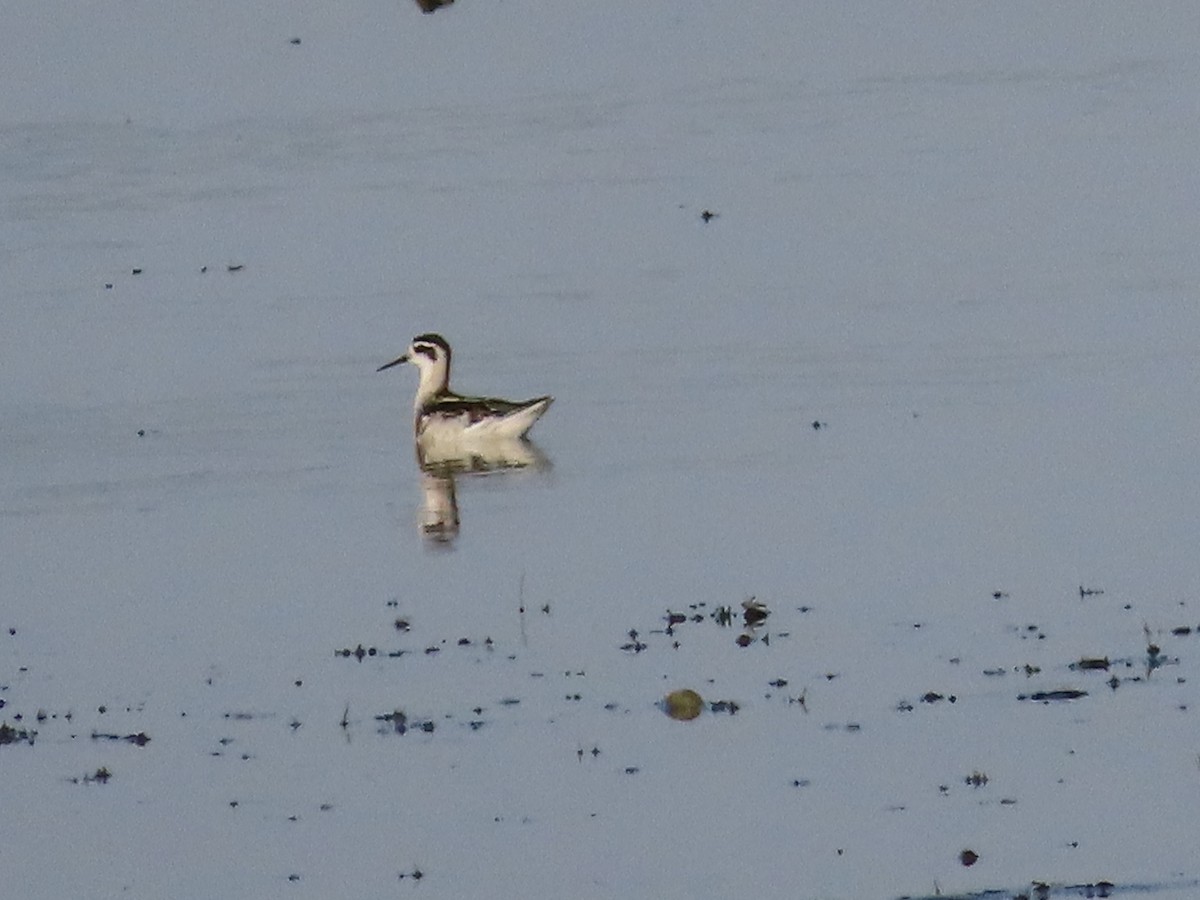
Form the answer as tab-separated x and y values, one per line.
435	380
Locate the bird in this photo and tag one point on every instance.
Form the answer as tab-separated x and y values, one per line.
441	415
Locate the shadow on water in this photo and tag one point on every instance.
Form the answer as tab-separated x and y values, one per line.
1041	891
441	466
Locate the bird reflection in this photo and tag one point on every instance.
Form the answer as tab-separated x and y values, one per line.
443	464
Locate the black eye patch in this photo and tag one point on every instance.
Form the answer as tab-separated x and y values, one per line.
426	350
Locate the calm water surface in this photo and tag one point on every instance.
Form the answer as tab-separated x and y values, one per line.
924	387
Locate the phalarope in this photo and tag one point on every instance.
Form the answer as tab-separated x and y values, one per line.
440	414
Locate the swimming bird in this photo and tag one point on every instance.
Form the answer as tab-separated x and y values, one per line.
439	414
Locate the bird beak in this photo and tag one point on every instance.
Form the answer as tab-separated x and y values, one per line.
394	362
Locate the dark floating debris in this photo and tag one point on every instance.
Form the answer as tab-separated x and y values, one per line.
401	725
137	271
294	42
968	858
139	740
10	735
100	776
976	779
1052	696
416	874
708	215
428	6
1040	890
935	697
634	645
360	652
1091	663
754	612
235	267
1089	592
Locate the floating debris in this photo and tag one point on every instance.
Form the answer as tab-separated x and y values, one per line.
100	776
968	858
359	652
754	612
934	697
1052	696
1089	592
428	6
683	705
1040	890
139	740
634	645
10	735
400	724
1090	663
708	215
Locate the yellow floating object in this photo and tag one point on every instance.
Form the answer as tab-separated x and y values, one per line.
683	705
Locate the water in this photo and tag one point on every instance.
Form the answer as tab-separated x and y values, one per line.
936	345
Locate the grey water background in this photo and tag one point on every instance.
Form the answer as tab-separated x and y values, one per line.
960	237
